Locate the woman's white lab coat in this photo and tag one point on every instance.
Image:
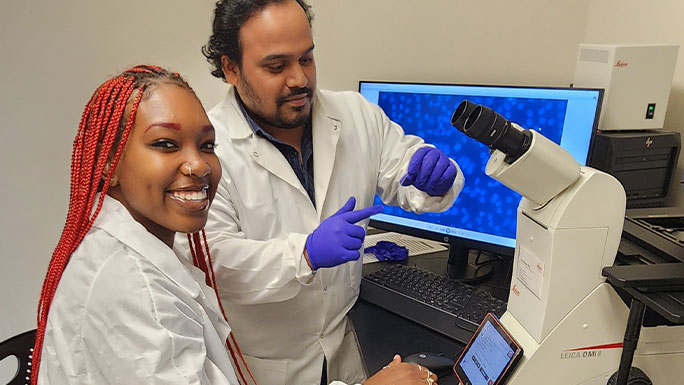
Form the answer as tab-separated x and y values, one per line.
127	311
284	316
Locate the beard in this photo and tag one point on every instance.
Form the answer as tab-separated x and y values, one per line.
279	119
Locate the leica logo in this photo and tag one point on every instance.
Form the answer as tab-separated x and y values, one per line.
621	63
649	142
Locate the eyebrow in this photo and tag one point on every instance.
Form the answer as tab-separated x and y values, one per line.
177	126
173	126
283	56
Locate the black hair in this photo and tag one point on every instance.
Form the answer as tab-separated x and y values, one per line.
229	17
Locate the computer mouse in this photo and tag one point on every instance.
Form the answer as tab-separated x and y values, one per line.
438	363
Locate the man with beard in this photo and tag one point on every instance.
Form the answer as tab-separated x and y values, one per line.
301	167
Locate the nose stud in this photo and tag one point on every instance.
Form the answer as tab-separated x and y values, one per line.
188	167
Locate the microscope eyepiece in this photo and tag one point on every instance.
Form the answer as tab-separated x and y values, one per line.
491	129
459	116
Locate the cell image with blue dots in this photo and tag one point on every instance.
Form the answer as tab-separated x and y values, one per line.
485	205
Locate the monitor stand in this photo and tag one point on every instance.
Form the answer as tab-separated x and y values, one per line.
460	268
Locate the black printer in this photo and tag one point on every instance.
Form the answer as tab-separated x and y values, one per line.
643	161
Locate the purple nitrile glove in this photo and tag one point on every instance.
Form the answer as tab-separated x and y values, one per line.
388	251
431	171
337	239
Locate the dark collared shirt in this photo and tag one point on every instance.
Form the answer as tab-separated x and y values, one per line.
302	168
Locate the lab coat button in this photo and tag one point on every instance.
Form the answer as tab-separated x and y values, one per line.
256	154
325	288
320	337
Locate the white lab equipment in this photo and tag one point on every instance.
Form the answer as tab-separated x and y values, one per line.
568	319
636	78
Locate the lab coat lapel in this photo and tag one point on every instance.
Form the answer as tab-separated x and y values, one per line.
326	134
261	150
267	156
115	219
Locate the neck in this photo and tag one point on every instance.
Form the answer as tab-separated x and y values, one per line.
291	136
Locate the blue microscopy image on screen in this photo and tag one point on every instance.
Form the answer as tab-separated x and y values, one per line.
484	205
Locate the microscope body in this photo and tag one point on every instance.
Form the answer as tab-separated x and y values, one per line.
569	226
569	321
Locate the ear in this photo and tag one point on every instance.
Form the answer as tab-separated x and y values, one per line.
230	70
115	179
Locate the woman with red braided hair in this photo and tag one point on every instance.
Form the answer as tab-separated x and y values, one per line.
118	306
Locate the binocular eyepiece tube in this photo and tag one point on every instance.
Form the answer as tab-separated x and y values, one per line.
491	129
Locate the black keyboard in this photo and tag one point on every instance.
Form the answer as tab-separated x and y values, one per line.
452	308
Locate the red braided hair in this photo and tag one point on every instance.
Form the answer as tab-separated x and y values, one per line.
202	259
102	134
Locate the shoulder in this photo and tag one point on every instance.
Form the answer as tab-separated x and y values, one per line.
346	104
115	301
335	98
223	108
228	119
101	278
222	112
105	274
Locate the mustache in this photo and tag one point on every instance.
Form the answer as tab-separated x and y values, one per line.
299	91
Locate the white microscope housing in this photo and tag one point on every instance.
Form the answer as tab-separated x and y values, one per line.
568	320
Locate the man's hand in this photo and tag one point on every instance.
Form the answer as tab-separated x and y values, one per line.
337	239
431	171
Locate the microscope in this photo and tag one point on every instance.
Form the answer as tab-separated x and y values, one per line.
569	321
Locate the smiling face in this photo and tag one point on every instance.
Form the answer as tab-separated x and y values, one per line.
171	135
277	76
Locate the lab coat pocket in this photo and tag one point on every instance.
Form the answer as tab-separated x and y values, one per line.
267	371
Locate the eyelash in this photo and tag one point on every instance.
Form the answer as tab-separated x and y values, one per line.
164	144
170	145
276	69
279	68
213	146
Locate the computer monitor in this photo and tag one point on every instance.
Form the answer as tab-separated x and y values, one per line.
484	215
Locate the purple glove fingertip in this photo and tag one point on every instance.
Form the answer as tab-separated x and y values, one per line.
338	239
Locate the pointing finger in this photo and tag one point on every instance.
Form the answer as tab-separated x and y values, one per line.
348	207
361	214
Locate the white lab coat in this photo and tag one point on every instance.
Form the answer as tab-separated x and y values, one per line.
284	316
128	311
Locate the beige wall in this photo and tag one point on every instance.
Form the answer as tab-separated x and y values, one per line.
531	42
55	53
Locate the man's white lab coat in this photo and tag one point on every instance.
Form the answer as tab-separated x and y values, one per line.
284	316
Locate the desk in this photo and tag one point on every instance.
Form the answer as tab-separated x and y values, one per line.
382	334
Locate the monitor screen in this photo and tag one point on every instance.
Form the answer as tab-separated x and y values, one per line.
484	215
